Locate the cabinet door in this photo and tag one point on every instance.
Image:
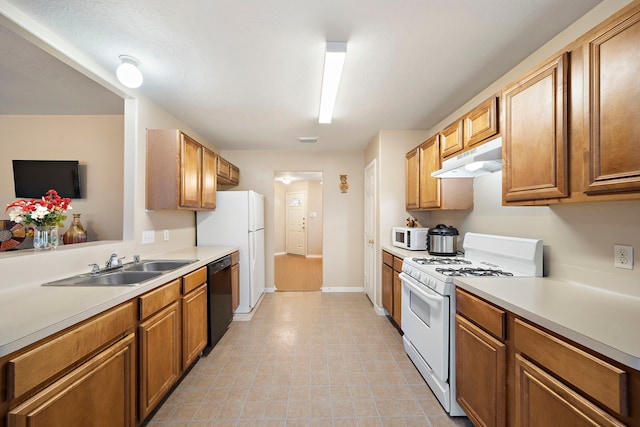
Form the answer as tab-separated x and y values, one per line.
234	174
451	139
194	325
159	356
235	287
535	137
397	299
541	400
224	171
429	192
209	178
387	288
612	67
481	123
412	176
190	172
100	392
481	366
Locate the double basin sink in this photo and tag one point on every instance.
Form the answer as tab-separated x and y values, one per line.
131	274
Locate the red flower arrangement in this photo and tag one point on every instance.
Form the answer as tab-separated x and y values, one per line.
47	211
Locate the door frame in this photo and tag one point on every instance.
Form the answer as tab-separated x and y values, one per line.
371	262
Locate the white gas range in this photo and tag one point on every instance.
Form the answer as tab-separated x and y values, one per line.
428	301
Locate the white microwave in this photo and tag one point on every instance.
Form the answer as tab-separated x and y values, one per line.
414	239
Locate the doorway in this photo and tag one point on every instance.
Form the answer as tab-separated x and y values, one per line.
298	230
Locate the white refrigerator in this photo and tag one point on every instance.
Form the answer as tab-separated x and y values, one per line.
238	220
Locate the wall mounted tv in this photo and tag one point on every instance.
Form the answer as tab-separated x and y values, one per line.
33	178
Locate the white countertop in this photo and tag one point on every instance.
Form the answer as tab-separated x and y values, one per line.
604	321
33	312
404	253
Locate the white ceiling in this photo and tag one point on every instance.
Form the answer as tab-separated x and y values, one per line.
245	74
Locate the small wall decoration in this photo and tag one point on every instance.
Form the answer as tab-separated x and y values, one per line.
344	186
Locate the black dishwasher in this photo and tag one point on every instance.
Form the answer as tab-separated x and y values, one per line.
219	311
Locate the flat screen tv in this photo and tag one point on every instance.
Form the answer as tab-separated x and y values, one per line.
33	178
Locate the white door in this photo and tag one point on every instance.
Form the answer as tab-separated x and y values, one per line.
297	223
370	231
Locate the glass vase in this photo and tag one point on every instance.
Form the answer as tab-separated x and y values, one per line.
45	237
75	233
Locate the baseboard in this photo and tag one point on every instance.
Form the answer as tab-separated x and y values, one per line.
280	253
314	256
245	317
342	289
379	310
270	290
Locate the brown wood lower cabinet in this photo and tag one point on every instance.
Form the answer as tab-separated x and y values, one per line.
542	400
160	345
235	280
194	325
392	286
194	316
112	369
511	372
100	392
481	365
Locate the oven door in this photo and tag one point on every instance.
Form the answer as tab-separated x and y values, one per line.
425	323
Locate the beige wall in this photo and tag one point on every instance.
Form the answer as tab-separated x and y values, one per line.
95	141
342	213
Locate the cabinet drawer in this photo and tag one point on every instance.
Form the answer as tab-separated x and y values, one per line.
485	315
193	280
604	382
387	258
155	300
235	257
397	264
47	360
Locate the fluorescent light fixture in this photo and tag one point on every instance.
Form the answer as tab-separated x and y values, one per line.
333	63
128	72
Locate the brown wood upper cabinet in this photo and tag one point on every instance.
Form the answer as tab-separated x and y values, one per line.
228	173
612	109
424	192
535	134
475	127
181	173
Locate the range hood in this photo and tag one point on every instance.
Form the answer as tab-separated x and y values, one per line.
481	160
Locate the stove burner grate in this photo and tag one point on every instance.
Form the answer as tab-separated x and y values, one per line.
440	261
476	272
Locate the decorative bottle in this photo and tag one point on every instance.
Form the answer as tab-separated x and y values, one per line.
75	233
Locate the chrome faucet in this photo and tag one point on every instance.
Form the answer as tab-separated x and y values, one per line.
95	269
114	262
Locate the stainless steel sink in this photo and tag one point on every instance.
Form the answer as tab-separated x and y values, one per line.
116	278
131	274
158	265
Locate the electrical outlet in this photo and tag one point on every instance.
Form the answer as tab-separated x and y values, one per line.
623	256
148	237
166	235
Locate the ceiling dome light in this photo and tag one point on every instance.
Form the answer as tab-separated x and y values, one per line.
128	72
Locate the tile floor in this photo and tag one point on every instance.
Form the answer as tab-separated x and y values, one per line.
306	359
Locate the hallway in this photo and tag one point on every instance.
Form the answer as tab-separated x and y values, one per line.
297	273
306	359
